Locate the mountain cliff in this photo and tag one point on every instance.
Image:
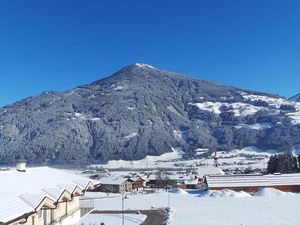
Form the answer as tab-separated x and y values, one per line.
139	111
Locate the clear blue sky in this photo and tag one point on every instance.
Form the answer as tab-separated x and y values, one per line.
60	44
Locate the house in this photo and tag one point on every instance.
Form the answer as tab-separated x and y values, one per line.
41	196
137	182
188	184
184	181
114	185
253	182
160	181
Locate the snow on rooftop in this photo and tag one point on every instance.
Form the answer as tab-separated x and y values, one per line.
227	181
20	191
112	180
32	200
54	193
209	170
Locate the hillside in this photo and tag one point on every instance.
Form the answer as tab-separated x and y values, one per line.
296	98
140	111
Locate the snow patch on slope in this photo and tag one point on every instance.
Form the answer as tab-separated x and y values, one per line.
256	126
131	135
239	108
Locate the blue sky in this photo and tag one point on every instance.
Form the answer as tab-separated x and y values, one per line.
60	44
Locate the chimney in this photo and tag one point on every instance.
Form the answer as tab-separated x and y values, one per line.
21	166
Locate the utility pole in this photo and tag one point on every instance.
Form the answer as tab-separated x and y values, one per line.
122	208
169	203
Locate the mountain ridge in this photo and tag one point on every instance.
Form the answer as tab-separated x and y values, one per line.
295	98
141	110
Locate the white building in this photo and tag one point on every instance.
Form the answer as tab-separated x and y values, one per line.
41	196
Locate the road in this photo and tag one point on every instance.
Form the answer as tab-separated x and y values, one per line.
154	217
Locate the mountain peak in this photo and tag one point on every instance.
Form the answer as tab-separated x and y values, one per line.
144	65
139	66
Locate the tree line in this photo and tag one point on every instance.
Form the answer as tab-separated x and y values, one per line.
284	163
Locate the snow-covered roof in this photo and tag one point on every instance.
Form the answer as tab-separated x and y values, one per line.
21	192
136	178
32	200
112	180
152	177
209	170
55	193
227	181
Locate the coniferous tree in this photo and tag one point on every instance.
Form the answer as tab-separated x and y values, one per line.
283	163
295	165
298	158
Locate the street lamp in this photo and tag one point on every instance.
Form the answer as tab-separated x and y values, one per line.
169	202
124	196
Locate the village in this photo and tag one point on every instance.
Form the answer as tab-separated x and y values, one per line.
48	196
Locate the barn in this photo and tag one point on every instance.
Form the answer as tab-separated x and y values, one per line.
253	182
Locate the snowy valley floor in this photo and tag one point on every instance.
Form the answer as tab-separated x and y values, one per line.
269	207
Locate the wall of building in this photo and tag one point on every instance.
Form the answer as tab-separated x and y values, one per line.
68	211
73	205
128	186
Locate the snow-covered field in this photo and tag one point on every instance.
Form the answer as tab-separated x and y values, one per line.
268	207
249	157
148	162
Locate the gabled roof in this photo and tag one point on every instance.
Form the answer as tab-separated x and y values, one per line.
72	188
12	207
83	184
57	194
36	201
21	192
112	180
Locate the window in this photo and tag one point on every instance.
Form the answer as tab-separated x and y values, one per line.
40	214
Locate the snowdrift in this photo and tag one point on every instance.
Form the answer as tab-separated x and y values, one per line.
270	192
178	191
226	193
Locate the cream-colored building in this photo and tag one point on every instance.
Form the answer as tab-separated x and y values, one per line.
41	196
114	185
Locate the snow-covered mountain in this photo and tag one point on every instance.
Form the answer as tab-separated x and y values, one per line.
296	98
139	111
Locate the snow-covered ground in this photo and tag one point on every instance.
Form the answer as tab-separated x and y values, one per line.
113	219
249	157
148	162
269	207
